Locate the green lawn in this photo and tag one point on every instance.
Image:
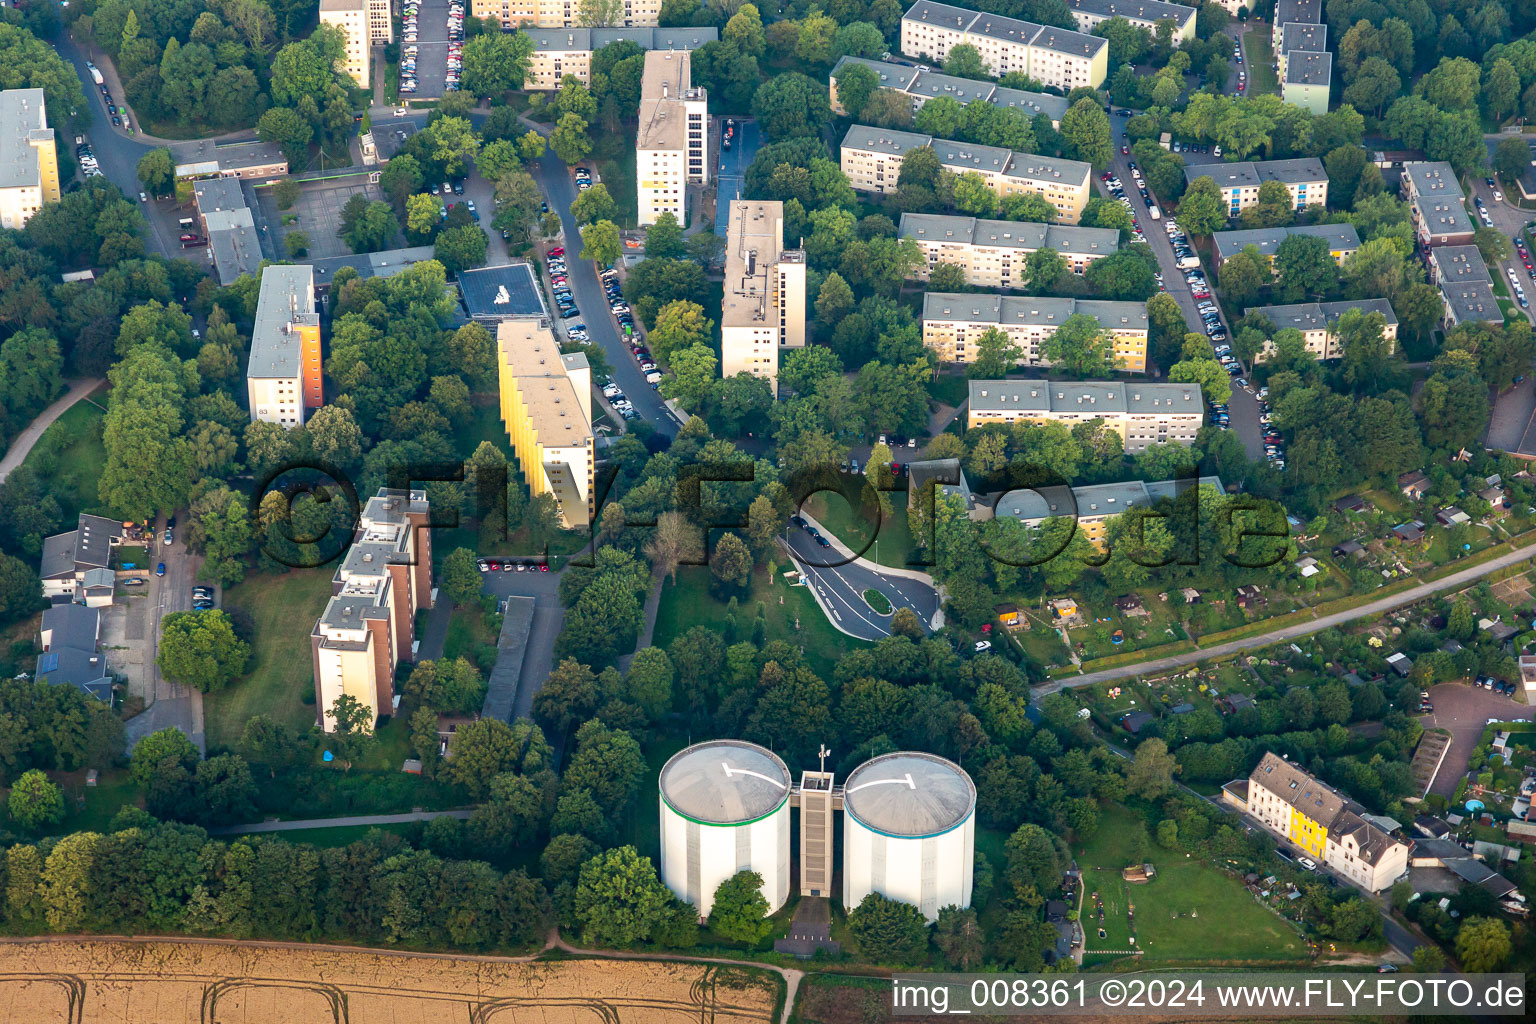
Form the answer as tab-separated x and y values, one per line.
689	603
1259	59
282	609
1190	912
857	530
70	456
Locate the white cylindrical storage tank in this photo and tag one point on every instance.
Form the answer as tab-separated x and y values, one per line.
909	832
724	809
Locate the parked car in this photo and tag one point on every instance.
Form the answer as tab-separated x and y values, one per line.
160	569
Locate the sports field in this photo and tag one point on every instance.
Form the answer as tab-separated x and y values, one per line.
1188	912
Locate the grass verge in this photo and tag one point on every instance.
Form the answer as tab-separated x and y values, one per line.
281	611
1259	60
70	456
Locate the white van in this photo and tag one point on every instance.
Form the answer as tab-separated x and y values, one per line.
1189	262
1152	212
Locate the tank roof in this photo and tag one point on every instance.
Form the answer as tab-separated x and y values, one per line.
725	782
909	794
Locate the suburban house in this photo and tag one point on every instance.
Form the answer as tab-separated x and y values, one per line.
1324	823
1413	485
68	557
70	638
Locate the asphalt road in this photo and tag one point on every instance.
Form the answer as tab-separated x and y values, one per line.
1384	604
1509	221
1243	409
174	704
559	189
839	584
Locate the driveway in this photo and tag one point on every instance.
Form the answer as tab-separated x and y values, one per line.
559	189
839	582
1243	409
548	616
169	704
1463	710
733	167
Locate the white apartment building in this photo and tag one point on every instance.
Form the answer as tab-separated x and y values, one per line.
673	139
1316	322
283	379
1055	57
558	52
953	321
1140	13
871	157
546	405
351	18
1142	414
29	165
368	626
993	253
1323	822
1239	183
560	13
764	305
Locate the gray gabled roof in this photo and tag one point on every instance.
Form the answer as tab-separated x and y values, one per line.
58	556
1340	237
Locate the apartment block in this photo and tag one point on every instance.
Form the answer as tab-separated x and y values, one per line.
1140	13
368	626
672	143
1307	12
1343	240
1328	826
1436	204
29	165
1308	80
1142	414
764	305
1239	183
351	18
559	13
1093	506
871	157
559	52
992	253
1465	287
1316	322
1055	57
1299	36
546	406
283	377
953	321
921	86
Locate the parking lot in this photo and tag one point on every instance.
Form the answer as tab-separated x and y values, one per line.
317	213
428	23
733	168
1463	710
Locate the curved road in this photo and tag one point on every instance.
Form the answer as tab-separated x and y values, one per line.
838	581
28	438
1376	607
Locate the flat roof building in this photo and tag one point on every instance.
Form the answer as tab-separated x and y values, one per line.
229	228
672	141
954	321
283	376
1436	204
1055	57
1239	183
1465	287
1343	240
507	292
763	308
1316	322
251	159
29	164
871	157
1140	13
387	263
1142	414
351	18
1308	80
992	253
558	52
368	626
546	405
1307	12
1299	36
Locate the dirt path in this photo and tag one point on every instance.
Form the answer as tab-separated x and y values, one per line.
29	437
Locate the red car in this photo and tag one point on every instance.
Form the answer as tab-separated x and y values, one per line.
557	251
1125	151
189	238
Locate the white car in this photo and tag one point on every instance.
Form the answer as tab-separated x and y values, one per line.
1498	196
1307	862
983	645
